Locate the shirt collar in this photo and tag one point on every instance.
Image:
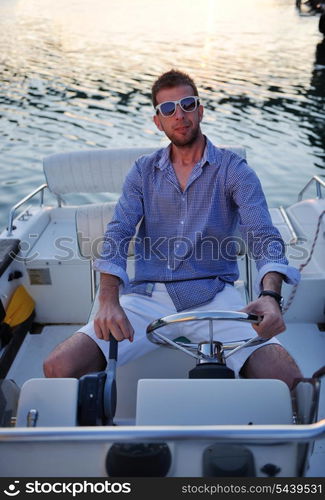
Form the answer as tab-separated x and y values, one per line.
163	158
209	156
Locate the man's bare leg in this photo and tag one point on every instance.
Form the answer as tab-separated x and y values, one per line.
74	357
272	361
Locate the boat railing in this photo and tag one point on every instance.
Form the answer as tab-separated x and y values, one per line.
259	434
320	183
31	195
294	237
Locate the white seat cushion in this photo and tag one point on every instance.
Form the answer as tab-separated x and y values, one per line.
95	170
91	171
91	223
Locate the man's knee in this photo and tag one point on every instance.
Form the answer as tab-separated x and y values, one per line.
272	361
53	367
63	361
75	357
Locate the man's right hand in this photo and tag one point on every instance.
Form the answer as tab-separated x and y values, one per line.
111	318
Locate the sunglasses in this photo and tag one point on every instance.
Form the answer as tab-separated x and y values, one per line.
188	104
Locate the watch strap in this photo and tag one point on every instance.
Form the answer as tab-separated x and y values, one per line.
273	294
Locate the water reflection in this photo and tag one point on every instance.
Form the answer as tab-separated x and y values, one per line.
77	75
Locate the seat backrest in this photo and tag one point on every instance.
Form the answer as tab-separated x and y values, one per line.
90	171
96	170
91	223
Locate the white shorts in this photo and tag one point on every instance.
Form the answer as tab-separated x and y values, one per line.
141	310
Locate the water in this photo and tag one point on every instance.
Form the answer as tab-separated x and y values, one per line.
77	75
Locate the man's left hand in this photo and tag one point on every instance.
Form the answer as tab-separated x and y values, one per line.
272	322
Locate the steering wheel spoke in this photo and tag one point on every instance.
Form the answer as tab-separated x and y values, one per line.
193	349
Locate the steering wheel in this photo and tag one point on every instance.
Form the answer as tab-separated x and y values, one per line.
191	348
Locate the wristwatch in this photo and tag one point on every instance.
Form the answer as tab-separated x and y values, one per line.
275	295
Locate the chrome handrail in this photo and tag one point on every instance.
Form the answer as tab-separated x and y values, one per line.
294	236
21	202
259	434
319	184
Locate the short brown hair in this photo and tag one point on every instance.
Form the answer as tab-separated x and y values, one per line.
172	78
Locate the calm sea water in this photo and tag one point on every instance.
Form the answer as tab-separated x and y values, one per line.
77	75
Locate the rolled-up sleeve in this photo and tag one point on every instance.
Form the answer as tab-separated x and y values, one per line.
291	275
128	212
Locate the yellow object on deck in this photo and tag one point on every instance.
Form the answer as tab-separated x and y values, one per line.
20	307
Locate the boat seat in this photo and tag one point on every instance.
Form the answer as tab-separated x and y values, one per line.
96	170
91	222
90	171
213	402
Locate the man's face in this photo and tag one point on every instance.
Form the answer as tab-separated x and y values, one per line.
183	127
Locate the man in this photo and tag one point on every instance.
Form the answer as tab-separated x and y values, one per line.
189	197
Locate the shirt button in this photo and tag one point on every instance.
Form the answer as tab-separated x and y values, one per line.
183	199
182	222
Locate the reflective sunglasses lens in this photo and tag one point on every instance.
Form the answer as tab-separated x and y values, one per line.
188	104
167	108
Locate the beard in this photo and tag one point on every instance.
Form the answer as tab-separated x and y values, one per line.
185	140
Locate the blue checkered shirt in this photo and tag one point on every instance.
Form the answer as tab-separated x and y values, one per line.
189	240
